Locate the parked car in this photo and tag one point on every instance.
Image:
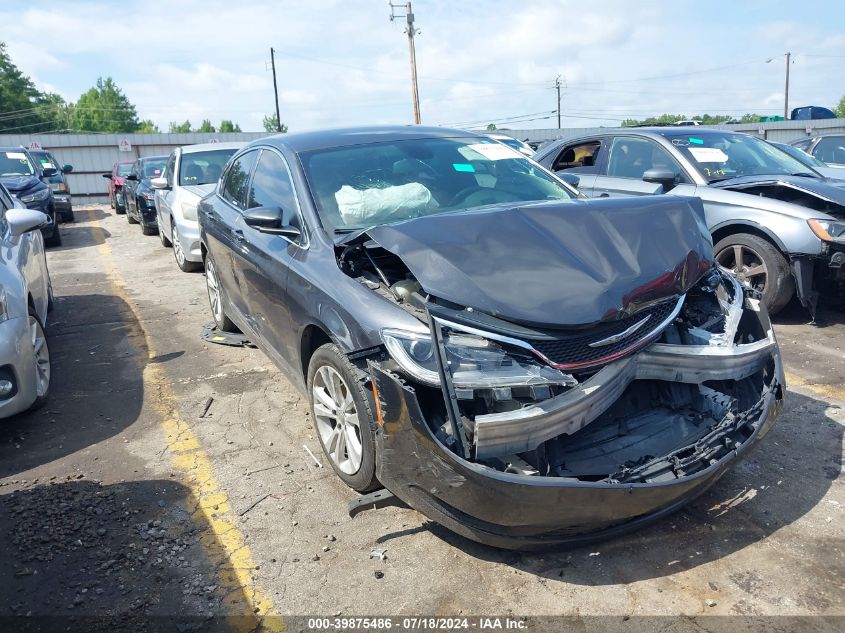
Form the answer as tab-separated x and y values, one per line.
520	365
515	143
139	194
775	222
57	182
190	173
117	178
807	113
22	175
25	299
836	173
829	148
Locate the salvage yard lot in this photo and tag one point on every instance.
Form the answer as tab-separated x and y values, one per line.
121	495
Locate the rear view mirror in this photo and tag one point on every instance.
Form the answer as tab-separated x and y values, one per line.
270	220
159	183
665	177
47	172
66	169
569	179
132	177
107	175
24	220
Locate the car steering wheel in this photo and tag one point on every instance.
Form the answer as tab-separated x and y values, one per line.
464	194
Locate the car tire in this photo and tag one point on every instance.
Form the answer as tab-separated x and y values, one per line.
56	238
756	253
342	418
69	217
146	229
164	241
217	298
130	218
178	252
42	360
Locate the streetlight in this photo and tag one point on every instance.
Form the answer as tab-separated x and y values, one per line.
786	88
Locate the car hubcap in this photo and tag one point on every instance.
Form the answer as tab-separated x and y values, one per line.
42	357
213	291
177	247
746	264
337	419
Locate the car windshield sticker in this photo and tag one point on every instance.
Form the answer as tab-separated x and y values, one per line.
488	151
47	165
15	155
463	167
708	154
697	141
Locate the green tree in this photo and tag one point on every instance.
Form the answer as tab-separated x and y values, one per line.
148	127
491	127
104	108
23	108
176	128
205	126
671	119
840	108
227	126
271	124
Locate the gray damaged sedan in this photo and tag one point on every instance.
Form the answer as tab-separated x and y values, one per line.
522	366
776	223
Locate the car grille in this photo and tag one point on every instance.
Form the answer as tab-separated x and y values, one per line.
573	352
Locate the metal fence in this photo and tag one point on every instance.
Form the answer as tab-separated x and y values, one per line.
94	154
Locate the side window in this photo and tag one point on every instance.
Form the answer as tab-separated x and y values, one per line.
136	169
803	145
632	157
271	186
831	150
169	167
582	157
237	178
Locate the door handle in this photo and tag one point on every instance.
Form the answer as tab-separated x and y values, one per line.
604	195
239	235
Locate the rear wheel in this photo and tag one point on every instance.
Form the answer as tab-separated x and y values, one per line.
342	417
179	252
759	265
216	298
42	360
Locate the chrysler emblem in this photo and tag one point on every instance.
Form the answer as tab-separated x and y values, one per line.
610	340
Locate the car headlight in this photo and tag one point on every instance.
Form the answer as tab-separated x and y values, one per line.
189	210
828	230
4	311
38	196
474	361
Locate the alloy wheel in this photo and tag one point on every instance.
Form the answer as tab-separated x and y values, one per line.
42	357
178	253
746	264
337	419
213	286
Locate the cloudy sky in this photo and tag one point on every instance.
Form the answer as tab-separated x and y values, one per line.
342	62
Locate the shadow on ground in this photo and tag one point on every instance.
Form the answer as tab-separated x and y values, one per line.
76	236
97	352
128	557
829	312
782	479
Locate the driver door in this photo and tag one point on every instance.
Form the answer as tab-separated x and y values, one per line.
628	159
164	197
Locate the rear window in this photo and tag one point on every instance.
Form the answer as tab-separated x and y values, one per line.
123	169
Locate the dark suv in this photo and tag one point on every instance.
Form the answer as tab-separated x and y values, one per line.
22	175
57	182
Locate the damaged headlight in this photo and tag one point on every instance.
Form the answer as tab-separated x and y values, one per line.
475	362
828	230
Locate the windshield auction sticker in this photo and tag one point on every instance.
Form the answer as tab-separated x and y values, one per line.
708	154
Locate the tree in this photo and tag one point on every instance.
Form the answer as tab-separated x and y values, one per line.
840	108
23	108
671	119
176	128
271	124
227	126
148	127
205	126
491	127
104	108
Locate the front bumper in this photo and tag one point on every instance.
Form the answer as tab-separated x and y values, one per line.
821	276
63	203
49	210
147	213
17	363
189	236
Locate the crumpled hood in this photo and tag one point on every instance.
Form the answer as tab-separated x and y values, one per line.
556	264
16	184
200	191
832	191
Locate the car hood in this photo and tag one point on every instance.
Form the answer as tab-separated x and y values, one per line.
554	264
824	188
200	191
16	184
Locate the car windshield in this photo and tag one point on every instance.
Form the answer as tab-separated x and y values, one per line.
365	185
45	160
799	155
202	168
123	169
14	163
722	156
152	168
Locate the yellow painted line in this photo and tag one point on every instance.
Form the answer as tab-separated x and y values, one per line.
828	392
224	544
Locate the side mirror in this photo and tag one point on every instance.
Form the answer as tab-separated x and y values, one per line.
25	220
159	183
270	220
665	177
568	178
47	172
132	177
107	175
66	169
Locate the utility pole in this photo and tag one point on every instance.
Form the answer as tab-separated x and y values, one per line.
411	31
275	89
557	86
786	89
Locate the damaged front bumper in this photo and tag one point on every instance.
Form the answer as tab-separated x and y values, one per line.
687	412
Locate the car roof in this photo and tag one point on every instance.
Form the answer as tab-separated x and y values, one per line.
205	147
344	137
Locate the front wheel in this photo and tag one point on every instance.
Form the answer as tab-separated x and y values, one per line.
215	298
758	264
161	236
179	252
42	360
129	217
342	418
